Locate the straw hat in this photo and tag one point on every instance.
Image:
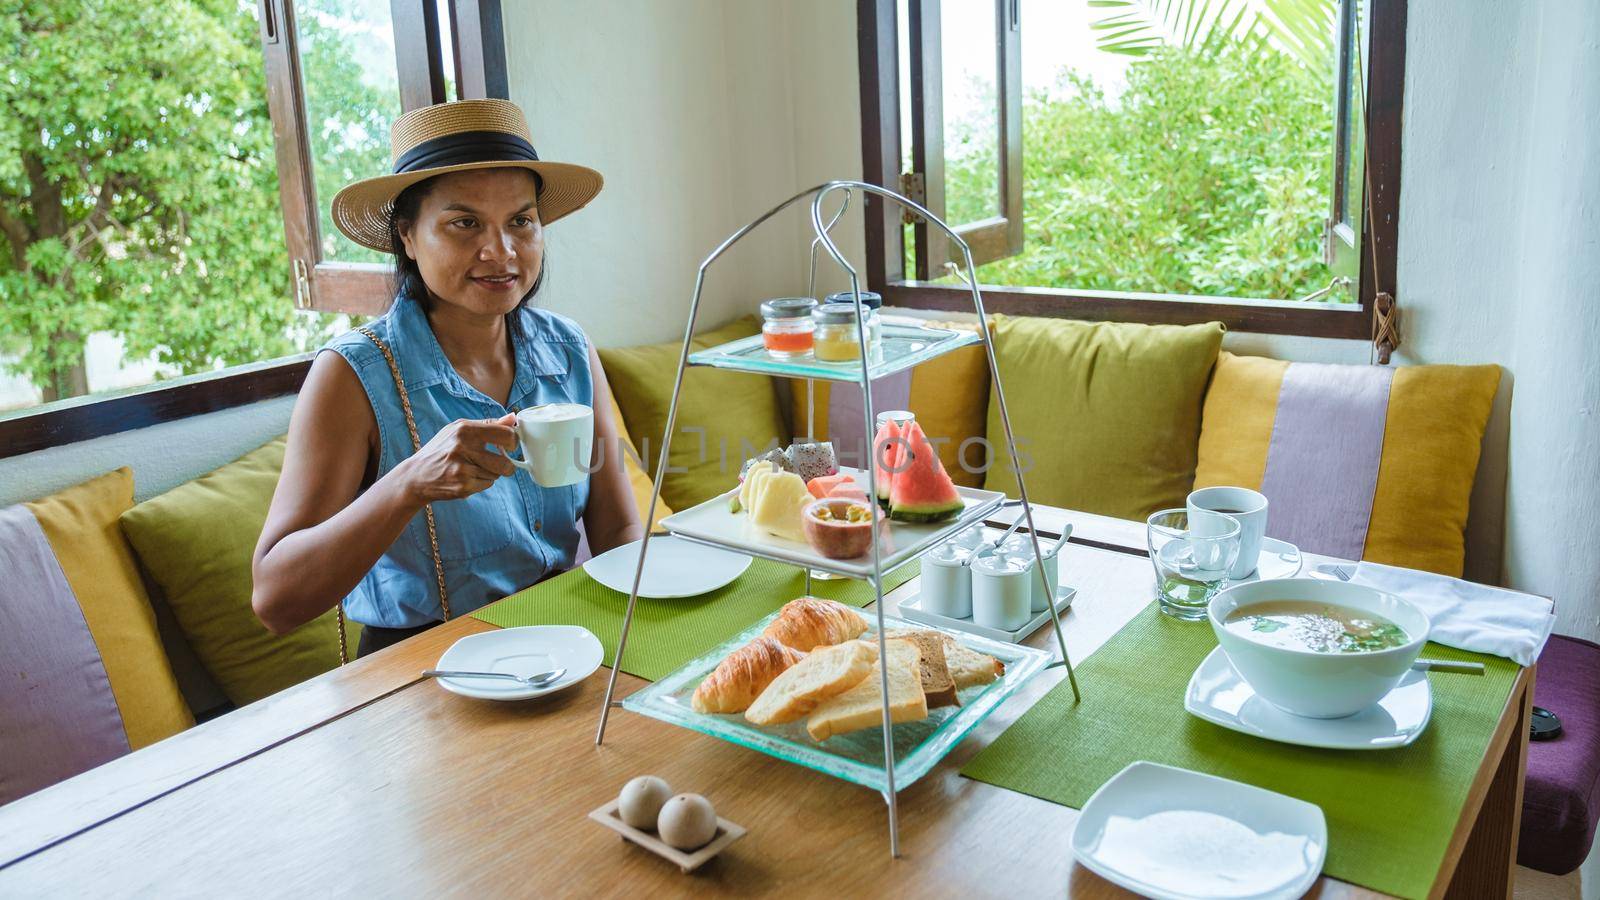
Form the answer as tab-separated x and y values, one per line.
456	137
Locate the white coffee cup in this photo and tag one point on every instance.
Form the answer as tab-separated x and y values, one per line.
1247	506
557	440
947	581
1002	590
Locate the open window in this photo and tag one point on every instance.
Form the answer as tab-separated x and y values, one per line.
1177	161
394	56
966	167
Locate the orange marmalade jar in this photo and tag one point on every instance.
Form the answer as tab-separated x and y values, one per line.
786	327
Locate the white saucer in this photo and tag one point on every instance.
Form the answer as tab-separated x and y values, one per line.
521	651
1217	694
911	608
1278	559
673	568
1173	834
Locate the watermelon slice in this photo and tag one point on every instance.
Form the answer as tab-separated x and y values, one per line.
921	491
821	485
886	448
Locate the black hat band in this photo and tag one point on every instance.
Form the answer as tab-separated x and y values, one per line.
465	147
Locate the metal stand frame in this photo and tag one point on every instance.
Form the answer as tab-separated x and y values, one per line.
818	194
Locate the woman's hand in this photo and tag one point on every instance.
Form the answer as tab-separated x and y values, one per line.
458	462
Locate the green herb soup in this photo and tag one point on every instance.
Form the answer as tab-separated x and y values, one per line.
1318	627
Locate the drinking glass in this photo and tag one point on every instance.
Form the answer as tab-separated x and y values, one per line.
1190	567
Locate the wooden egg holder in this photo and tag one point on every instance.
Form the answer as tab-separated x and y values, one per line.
727	833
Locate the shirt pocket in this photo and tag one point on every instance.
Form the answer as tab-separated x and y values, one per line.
468	527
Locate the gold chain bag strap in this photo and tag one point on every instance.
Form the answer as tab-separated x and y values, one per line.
427	510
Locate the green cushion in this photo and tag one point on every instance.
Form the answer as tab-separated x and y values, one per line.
739	413
196	542
1106	414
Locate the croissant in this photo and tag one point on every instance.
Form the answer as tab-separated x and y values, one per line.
742	675
809	622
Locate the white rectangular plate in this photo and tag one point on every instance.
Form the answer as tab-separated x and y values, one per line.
712	523
1173	834
911	608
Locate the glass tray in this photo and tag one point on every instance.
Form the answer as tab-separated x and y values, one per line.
857	756
903	346
712	523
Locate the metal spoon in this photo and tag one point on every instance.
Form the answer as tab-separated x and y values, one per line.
542	679
1448	665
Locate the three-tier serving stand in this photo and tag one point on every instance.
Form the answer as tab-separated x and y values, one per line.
869	369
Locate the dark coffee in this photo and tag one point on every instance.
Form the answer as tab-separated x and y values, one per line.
1231	512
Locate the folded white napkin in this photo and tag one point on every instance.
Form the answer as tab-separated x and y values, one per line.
1470	616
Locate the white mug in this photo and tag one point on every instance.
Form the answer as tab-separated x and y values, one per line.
1002	590
557	440
947	581
1247	506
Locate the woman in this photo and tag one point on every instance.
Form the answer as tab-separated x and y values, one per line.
463	215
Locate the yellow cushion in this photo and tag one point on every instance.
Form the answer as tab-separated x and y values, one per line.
196	542
722	416
1432	432
949	397
1106	415
81	525
638	481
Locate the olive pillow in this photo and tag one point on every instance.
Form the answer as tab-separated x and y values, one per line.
722	416
1106	414
196	542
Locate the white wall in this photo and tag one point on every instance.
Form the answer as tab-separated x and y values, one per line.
697	112
702	114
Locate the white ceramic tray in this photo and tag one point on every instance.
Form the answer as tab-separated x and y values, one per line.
911	608
1173	834
898	543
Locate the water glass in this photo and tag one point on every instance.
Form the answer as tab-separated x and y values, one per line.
1191	558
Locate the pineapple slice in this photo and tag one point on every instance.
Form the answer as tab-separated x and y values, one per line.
747	489
779	504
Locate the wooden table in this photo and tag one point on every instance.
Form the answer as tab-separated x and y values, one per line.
369	781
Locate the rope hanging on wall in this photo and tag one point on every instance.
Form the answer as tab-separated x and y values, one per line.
1385	308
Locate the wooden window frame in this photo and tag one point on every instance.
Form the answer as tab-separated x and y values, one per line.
993	237
878	53
480	71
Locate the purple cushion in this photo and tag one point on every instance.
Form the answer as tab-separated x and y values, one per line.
1561	797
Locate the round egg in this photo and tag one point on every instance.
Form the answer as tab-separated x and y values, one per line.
687	822
641	800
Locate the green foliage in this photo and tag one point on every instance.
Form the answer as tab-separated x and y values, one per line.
138	190
1208	175
1302	28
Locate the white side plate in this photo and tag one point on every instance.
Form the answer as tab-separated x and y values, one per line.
1173	834
673	568
1217	694
1278	559
521	651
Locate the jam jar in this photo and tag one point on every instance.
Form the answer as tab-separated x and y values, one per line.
786	326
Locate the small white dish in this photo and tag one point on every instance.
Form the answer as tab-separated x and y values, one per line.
1278	559
673	568
911	608
1173	834
521	651
1217	694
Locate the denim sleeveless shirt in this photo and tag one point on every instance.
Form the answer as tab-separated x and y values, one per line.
495	542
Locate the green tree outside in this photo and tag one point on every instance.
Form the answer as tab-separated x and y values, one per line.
138	191
1208	175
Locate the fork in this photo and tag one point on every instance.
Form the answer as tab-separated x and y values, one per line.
539	680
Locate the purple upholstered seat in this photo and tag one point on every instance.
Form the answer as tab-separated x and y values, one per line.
1561	797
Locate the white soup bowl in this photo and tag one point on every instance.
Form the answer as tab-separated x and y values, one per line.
1308	683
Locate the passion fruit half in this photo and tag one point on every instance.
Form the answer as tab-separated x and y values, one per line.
838	528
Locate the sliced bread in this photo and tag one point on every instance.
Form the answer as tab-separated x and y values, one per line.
969	667
937	685
862	705
825	672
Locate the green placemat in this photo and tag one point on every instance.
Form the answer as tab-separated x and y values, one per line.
668	633
1390	813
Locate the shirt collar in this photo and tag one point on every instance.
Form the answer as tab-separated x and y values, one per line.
424	364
